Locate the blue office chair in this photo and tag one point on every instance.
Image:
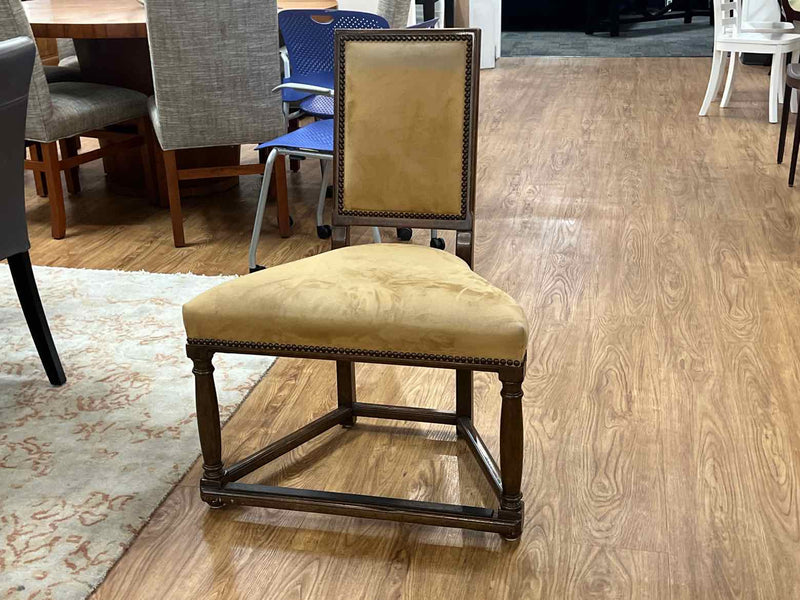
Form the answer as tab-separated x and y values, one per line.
308	36
321	106
312	141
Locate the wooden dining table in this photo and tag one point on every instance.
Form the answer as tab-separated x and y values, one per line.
110	39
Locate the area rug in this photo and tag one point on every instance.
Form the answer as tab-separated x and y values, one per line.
669	38
83	466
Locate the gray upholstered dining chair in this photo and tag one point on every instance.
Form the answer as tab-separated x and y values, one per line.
395	11
16	64
58	112
214	65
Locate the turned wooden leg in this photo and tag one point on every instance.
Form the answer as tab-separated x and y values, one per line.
69	147
511	445
28	294
279	175
55	193
208	420
143	129
463	394
174	191
346	388
39	177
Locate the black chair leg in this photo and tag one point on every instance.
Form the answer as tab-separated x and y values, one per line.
787	100
795	144
28	293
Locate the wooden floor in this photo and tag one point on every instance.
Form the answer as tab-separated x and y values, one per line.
657	255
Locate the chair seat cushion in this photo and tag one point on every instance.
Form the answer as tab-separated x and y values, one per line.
79	107
375	298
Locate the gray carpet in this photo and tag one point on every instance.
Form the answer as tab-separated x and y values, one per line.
656	38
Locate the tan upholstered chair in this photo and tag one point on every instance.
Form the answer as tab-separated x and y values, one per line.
395	304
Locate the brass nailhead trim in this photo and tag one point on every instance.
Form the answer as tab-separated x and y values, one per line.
500	362
465	158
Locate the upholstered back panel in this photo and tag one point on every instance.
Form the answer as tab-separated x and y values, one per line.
16	61
14	23
214	63
406	110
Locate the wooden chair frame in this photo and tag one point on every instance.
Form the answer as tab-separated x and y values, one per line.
218	485
174	176
47	166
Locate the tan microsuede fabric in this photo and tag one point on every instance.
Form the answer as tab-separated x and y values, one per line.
399	154
397	297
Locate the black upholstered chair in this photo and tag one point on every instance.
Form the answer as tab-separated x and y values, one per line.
16	65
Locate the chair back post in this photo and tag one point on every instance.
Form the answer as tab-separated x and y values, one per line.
405	133
214	63
308	35
14	23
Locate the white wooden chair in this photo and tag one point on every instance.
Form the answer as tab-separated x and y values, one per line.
731	37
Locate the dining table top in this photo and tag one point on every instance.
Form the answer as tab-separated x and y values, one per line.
98	19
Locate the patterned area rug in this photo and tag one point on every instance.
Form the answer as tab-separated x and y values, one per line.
83	466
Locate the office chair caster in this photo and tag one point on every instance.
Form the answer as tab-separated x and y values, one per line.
437	243
404	233
324	231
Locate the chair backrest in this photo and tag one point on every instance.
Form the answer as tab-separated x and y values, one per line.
16	64
727	18
406	126
214	65
14	23
395	11
308	35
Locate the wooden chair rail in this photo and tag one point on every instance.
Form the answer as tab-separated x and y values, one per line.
47	166
506	523
172	176
404	413
211	172
286	444
125	141
117	146
467	431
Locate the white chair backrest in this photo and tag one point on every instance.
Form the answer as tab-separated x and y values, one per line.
727	18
